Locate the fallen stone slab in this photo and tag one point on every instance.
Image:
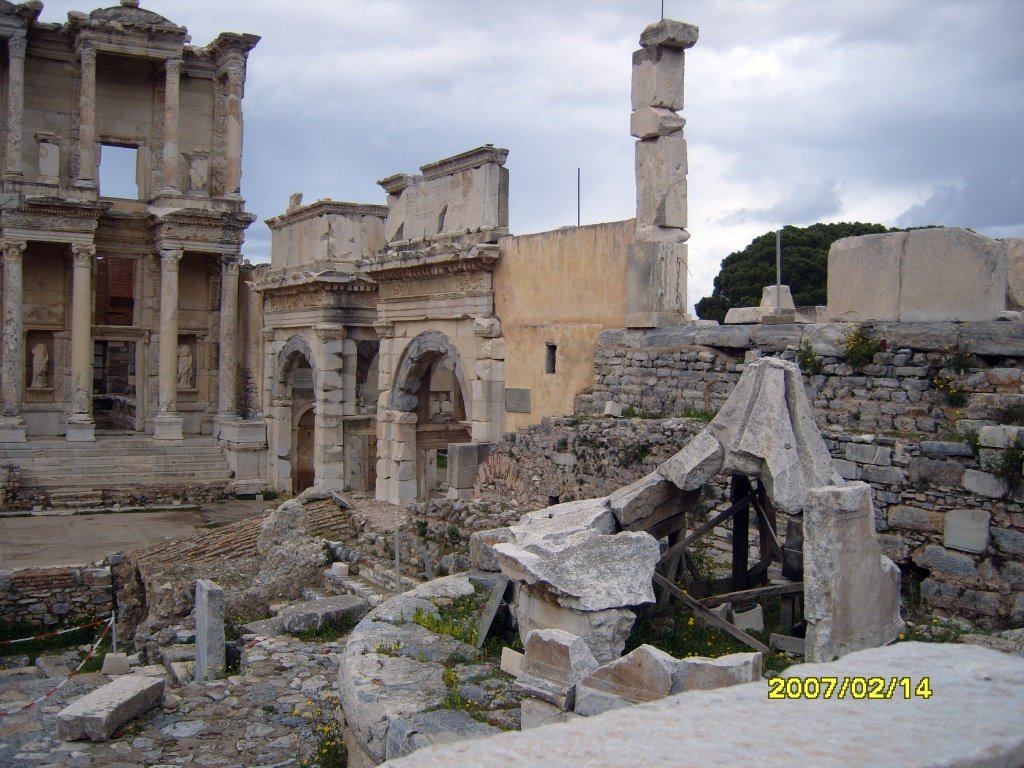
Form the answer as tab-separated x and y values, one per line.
644	674
697	673
555	662
98	714
972	719
441	726
332	611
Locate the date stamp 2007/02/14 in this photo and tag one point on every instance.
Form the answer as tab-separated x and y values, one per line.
849	687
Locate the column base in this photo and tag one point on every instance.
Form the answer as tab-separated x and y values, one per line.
167	426
80	429
12	430
223	425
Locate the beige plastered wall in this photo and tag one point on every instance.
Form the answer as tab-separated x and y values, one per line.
563	288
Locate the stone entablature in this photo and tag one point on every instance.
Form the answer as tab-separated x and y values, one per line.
326	235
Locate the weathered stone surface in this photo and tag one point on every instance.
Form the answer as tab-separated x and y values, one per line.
889	277
648	500
669	33
1014	273
851	591
97	715
290	556
511	661
935	558
650	122
933	471
590	573
915	519
644	674
1009	541
967	530
537	712
314	614
1000	436
555	662
442	726
984	484
209	612
844	733
604	632
657	78
698	462
548	529
661	194
481	548
701	674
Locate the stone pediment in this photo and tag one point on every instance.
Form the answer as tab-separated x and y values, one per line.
129	17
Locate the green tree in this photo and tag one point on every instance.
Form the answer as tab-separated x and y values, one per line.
804	267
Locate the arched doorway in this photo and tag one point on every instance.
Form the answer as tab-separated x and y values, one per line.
431	384
303	465
294	415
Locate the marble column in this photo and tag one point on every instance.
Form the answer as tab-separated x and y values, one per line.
16	45
80	425
87	119
12	375
227	375
167	424
171	101
235	77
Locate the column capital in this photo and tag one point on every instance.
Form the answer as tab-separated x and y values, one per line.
169	257
17	44
173	67
13	249
87	55
234	73
229	264
83	253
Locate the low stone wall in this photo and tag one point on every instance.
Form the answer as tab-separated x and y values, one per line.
52	597
668	371
955	529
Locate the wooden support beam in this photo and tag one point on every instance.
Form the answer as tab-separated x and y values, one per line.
708	616
709	525
749	594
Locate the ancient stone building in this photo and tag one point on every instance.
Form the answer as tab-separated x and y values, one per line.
121	225
320	348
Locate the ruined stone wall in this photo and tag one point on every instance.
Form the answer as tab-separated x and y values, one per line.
50	597
955	529
667	371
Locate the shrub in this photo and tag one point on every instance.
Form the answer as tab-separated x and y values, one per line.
860	349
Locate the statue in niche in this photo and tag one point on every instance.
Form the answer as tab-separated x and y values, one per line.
186	365
40	366
198	171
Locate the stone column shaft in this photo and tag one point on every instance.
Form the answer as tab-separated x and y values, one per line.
87	119
16	46
13	373
171	103
81	328
168	366
235	77
227	378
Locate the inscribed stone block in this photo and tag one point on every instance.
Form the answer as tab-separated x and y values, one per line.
209	611
967	530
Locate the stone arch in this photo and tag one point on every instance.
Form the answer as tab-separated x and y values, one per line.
287	359
421	352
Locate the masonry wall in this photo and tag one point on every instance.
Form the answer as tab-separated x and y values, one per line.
49	597
561	288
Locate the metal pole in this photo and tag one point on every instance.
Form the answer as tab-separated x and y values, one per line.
778	271
577	196
398	565
662	10
113	631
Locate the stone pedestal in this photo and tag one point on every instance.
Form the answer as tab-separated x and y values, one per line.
12	429
168	426
80	429
210	655
245	447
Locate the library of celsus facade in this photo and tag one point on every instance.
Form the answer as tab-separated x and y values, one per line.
121	226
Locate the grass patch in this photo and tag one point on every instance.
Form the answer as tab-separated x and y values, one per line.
328	631
458	619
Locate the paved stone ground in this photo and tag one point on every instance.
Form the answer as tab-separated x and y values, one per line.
77	539
247	720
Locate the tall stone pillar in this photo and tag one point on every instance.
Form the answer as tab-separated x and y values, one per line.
81	427
87	119
12	375
656	272
172	70
228	374
16	46
235	80
167	423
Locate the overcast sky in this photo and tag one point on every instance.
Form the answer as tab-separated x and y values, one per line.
903	112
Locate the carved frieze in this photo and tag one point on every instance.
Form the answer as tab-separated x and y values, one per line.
433	285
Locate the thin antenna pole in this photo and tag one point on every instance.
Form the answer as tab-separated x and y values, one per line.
778	271
662	10
577	196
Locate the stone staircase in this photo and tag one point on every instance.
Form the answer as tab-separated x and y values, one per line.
59	474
